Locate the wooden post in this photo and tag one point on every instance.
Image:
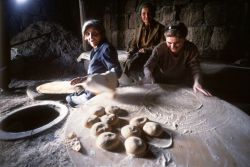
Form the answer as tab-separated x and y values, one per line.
4	49
82	19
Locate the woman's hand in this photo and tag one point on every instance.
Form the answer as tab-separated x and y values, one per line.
198	88
142	50
148	80
78	80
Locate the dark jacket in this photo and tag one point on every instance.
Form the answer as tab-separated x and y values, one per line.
156	35
167	68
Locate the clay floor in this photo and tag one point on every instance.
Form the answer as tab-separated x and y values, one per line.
44	149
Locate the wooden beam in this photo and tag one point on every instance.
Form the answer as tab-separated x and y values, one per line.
82	20
4	50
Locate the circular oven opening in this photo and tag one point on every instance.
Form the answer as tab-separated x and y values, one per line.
29	120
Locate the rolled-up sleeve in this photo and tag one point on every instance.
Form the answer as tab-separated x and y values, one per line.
151	63
194	62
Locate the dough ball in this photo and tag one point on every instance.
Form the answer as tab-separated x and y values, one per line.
113	110
135	146
91	120
153	129
99	128
110	119
130	130
138	121
107	141
97	110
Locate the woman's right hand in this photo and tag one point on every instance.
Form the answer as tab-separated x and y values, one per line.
148	80
78	80
148	77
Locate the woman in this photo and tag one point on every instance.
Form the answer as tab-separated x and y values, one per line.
103	58
175	61
147	35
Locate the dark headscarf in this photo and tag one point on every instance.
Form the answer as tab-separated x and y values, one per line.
148	5
176	29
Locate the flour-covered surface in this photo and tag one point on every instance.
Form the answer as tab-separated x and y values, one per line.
206	131
43	150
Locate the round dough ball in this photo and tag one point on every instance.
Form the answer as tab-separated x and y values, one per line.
99	128
110	119
153	129
135	146
97	110
113	110
107	141
130	130
138	121
91	120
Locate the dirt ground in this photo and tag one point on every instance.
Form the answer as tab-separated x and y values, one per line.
44	149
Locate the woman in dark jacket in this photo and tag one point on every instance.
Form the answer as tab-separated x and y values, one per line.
175	61
147	35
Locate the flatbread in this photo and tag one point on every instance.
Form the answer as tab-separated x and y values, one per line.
56	87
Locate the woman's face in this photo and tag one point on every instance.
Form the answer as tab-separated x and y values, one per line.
175	44
93	36
146	15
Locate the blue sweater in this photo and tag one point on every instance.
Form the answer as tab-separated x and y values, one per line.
104	58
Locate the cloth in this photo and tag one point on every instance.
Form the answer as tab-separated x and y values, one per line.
102	59
167	68
133	67
76	99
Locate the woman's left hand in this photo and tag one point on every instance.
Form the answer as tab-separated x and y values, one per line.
198	88
142	50
78	80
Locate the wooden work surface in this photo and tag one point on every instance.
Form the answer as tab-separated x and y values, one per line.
206	131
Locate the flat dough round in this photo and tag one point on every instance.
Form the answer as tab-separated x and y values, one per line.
56	87
135	146
73	143
97	110
99	128
91	120
152	129
110	119
138	121
108	141
130	130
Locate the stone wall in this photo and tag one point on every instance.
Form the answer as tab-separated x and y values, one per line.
220	29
